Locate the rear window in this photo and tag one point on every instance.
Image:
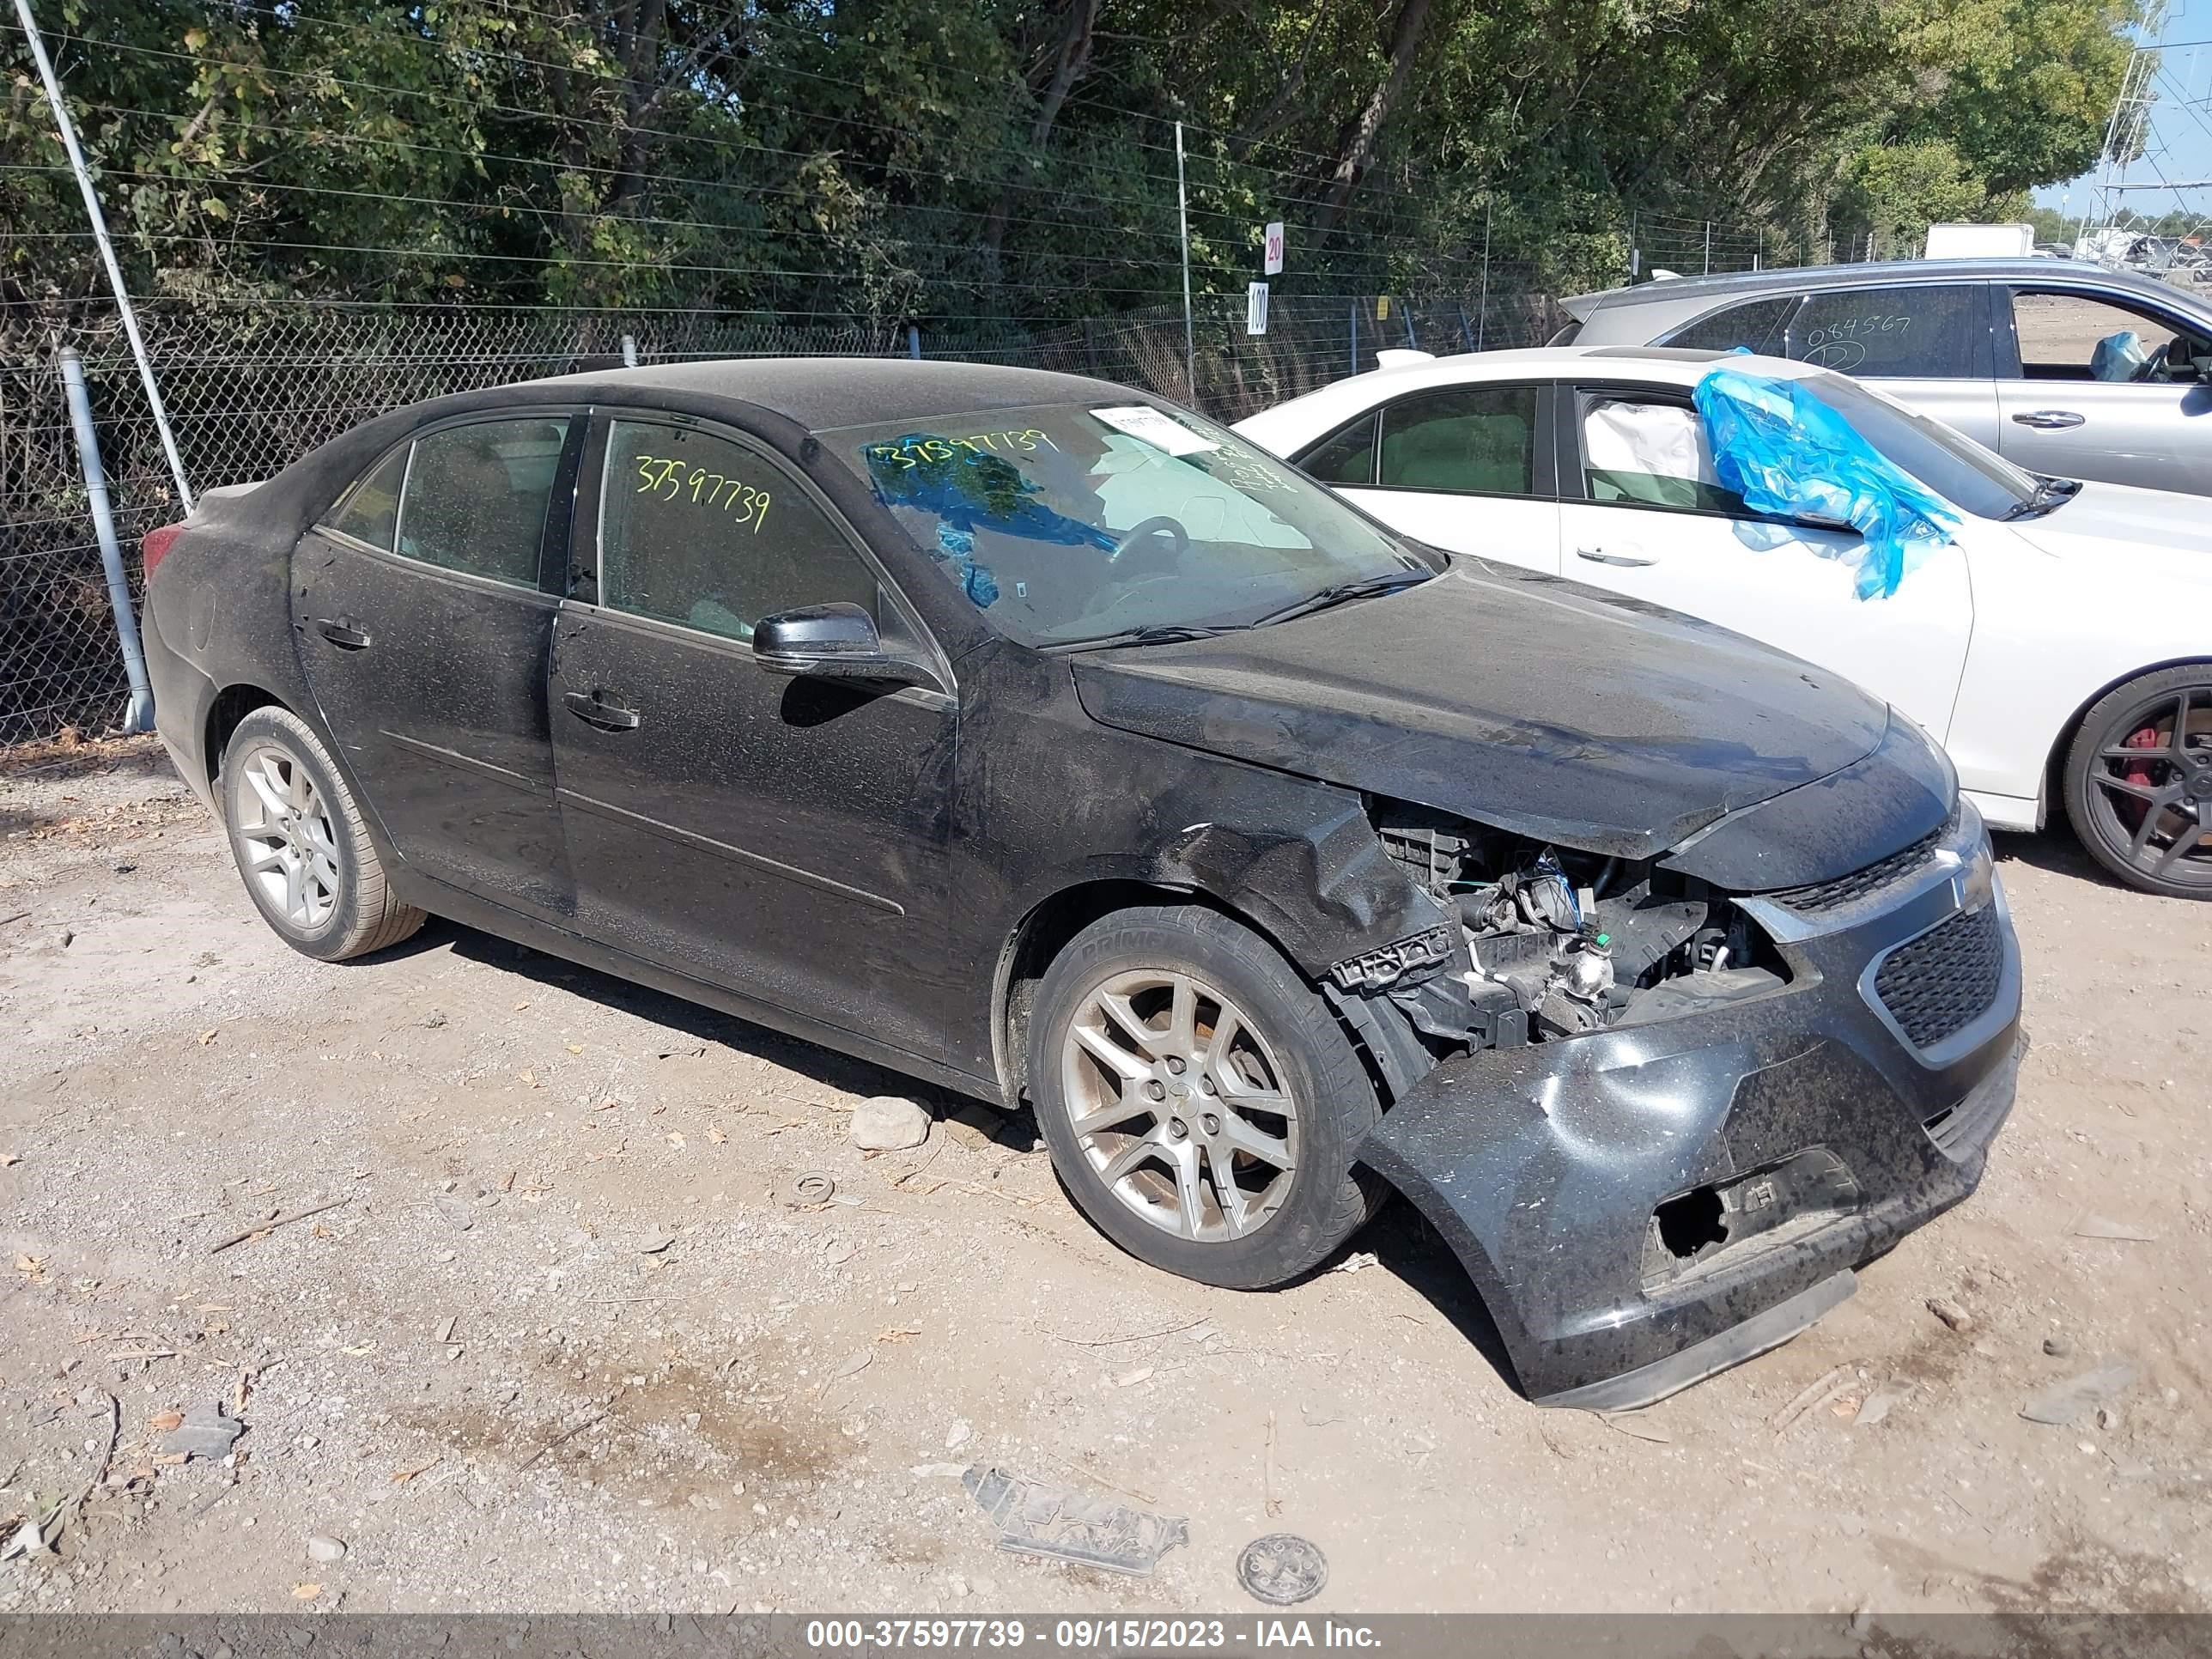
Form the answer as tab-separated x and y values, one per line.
1463	441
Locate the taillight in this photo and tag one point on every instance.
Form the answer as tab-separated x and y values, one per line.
157	546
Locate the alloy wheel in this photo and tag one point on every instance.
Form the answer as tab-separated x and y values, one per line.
1180	1105
287	837
2150	786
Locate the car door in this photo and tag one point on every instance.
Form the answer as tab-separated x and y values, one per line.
782	837
1927	345
1646	519
423	617
1460	467
2085	394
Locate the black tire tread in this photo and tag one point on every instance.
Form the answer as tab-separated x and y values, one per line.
381	919
1342	1085
2082	756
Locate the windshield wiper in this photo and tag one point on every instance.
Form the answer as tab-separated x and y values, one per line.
1150	634
1339	592
2049	492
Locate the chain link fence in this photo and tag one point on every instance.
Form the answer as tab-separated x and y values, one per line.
250	387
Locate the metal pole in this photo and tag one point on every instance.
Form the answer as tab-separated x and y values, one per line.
1182	216
140	718
913	340
107	250
1709	247
1482	309
1355	336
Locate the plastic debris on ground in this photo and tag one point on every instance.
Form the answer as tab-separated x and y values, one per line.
1062	1524
2078	1395
1785	451
1282	1569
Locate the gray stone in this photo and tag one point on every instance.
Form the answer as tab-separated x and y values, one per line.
889	1123
206	1432
325	1549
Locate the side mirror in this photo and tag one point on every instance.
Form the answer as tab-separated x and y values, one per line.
831	641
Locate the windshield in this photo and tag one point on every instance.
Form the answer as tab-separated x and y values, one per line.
1954	466
1068	522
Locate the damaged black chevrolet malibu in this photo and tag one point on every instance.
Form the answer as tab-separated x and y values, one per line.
1050	743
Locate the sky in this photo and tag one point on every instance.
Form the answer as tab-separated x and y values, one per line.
2180	140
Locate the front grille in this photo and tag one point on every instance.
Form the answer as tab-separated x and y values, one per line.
1822	896
1937	984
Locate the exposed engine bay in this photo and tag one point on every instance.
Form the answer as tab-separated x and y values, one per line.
1549	942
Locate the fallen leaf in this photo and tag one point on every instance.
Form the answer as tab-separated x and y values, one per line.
1130	1379
530	1078
401	1477
575	1047
606	1105
366	1347
162	1422
165	1460
319	1230
519	1006
206	1037
31	1266
305	1592
898	1332
8	1160
675	1139
716	1136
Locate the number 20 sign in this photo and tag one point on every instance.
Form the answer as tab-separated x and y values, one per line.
1270	260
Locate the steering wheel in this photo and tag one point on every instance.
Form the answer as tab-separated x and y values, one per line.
1158	525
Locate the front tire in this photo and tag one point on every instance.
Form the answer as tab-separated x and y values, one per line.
2138	782
1200	1102
300	843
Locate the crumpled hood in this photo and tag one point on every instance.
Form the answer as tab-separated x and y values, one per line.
1524	701
2158	522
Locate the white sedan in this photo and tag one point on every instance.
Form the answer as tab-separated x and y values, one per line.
2060	643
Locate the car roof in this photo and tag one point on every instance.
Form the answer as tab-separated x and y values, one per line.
1329	406
1682	289
824	393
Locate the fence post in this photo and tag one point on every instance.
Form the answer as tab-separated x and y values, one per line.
1412	344
1466	330
913	341
1709	247
1482	307
1355	336
629	351
67	129
140	717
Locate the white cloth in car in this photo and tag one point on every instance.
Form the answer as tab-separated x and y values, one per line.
1661	440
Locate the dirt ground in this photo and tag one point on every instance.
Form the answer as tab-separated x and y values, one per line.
572	1335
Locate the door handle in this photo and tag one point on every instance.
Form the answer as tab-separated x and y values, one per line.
342	634
1599	555
594	710
2048	420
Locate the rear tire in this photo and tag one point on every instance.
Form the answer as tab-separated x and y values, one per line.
1201	1101
2138	782
300	843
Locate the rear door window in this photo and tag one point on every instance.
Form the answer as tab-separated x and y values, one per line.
1474	441
709	533
1921	331
476	497
1346	459
370	512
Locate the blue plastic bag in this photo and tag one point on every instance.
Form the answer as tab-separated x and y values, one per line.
1785	451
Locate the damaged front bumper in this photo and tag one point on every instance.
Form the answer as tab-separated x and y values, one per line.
1643	1205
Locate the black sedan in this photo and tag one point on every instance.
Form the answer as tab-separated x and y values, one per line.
1046	741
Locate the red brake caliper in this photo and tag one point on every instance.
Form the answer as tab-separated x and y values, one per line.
2131	810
